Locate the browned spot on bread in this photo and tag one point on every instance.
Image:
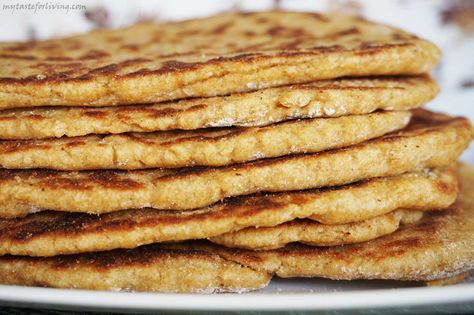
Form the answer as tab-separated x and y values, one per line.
249	33
48	46
95	113
175	65
332	48
20	145
64	180
74	65
19	57
112	68
349	31
94	54
75	143
262	20
114	39
284	31
189	32
58	58
35	117
132	47
103	261
221	28
54	182
447	188
124	112
21	46
368	48
6	118
319	17
111	179
177	54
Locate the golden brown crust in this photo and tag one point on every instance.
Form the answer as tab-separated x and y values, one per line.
142	269
215	147
149	63
318	99
433	140
52	232
316	234
439	246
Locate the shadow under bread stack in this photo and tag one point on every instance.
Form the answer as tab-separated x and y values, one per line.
209	155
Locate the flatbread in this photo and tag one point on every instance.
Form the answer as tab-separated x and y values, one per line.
215	147
449	280
438	247
51	233
142	269
431	140
331	98
219	55
316	234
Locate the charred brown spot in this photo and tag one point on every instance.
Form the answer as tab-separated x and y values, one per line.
131	47
177	54
249	33
220	29
58	182
11	146
105	69
46	222
446	188
73	65
143	255
48	46
114	39
175	65
368	48
283	31
7	118
94	54
240	57
261	20
21	46
189	32
76	143
346	32
19	57
113	180
397	36
95	113
112	68
326	49
58	58
36	117
319	17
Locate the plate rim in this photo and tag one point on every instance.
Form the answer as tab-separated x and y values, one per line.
360	299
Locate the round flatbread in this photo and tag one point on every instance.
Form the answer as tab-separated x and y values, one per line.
218	55
219	147
334	98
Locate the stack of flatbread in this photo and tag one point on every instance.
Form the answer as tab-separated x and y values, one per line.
209	155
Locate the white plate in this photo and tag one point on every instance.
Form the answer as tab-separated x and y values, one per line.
281	295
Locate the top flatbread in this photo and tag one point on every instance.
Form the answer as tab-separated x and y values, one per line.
219	55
